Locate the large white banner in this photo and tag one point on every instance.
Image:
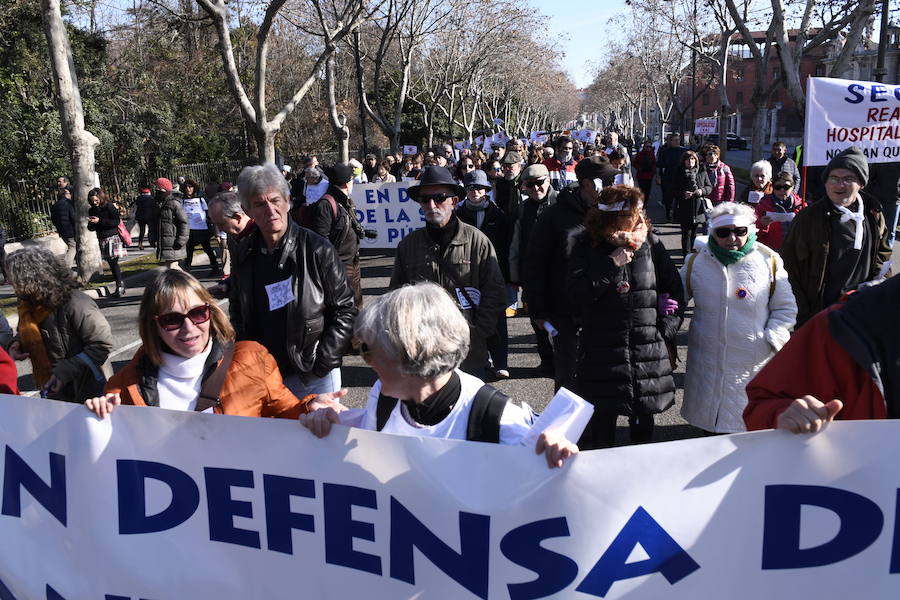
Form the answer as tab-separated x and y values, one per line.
842	112
161	505
388	210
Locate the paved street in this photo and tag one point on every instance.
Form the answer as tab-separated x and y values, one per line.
122	315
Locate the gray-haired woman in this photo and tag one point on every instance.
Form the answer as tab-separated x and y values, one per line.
60	330
415	338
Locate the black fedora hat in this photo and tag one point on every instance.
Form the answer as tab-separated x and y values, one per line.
436	176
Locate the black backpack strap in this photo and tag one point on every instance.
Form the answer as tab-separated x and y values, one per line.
484	416
383	411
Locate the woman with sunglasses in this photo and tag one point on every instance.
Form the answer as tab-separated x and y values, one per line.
186	340
690	189
463	167
744	310
782	200
625	292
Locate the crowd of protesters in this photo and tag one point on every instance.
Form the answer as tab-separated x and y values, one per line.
557	231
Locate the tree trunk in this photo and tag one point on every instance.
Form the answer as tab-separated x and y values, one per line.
79	142
338	125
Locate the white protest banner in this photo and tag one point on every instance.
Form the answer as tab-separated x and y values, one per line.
538	136
167	505
842	112
388	210
410	150
500	138
706	126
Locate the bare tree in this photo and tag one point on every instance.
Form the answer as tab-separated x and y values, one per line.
80	143
330	23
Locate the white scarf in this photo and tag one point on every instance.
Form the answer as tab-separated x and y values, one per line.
859	217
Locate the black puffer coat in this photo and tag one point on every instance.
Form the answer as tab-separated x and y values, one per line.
623	364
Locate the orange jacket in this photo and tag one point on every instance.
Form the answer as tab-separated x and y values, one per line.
252	388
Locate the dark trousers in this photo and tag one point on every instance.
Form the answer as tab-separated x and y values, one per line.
601	430
565	352
498	344
200	237
143	226
688	235
354	277
646	186
667	199
544	347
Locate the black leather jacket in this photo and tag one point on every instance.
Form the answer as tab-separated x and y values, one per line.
320	319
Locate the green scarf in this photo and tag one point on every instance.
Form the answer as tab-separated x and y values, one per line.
729	257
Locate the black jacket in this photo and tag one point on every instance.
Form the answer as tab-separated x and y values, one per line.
144	207
320	319
623	363
527	215
496	226
545	258
108	225
343	230
687	210
62	214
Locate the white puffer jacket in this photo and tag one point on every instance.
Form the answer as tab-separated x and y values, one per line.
739	322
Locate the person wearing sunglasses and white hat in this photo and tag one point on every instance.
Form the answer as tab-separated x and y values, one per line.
744	311
187	339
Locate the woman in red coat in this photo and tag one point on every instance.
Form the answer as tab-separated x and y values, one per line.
782	200
645	167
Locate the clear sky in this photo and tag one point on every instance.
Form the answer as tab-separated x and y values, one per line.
586	23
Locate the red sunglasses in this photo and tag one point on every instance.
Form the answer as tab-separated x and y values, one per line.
175	320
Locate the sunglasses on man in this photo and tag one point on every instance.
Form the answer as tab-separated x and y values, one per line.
535	183
724	232
436	198
175	320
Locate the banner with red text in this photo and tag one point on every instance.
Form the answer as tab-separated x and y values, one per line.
841	113
164	505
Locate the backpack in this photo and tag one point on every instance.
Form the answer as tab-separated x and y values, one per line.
484	415
304	216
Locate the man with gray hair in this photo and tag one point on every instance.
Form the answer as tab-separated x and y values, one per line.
225	212
289	291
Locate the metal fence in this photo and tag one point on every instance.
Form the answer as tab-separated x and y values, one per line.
25	204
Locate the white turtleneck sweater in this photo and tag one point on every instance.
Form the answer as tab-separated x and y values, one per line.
179	380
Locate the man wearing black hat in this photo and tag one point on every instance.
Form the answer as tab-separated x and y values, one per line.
836	244
544	268
456	256
334	218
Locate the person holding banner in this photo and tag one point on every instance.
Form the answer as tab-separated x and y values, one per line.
415	339
190	361
843	364
628	299
744	311
837	243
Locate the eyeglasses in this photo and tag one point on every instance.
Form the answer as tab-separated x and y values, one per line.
536	183
436	198
782	186
174	320
724	232
848	180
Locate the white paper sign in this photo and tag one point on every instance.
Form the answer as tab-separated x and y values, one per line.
474	294
566	412
165	505
281	293
754	197
410	150
780	216
387	209
706	126
843	112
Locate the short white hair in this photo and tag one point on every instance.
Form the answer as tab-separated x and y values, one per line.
419	327
764	166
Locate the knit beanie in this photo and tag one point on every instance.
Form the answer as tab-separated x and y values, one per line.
851	159
164	184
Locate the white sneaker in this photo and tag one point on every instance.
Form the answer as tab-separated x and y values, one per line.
502	374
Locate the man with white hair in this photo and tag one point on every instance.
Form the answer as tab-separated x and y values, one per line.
289	291
839	242
227	214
